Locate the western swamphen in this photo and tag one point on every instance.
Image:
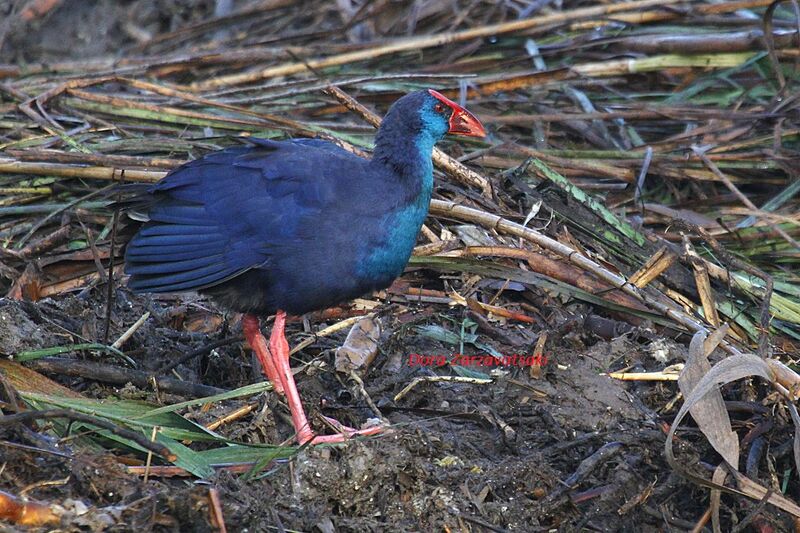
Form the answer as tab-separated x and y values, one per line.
294	226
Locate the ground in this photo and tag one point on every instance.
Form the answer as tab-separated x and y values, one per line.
460	455
557	446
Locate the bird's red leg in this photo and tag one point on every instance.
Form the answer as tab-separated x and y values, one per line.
252	332
279	349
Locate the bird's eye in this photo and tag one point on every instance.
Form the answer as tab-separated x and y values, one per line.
439	108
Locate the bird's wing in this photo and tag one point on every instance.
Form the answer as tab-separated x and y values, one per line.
219	216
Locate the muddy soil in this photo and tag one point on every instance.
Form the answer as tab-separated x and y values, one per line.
461	456
82	29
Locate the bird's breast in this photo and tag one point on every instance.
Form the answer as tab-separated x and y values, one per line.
385	258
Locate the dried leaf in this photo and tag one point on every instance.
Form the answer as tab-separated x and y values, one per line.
26	380
720	473
757	492
726	371
709	412
202	322
360	347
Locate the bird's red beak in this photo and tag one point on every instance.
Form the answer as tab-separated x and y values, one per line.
462	122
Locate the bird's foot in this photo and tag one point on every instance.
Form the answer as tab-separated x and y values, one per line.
345	433
274	358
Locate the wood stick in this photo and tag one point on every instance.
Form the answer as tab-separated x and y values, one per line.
121	376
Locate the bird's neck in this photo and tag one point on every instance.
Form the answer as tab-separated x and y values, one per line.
407	157
404	158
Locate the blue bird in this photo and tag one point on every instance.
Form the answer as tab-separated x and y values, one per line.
294	226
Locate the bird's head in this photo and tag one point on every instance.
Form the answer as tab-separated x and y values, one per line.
441	115
421	118
431	115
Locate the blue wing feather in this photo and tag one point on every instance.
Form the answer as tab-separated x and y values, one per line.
231	211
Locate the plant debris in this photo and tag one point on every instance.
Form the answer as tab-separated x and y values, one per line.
629	231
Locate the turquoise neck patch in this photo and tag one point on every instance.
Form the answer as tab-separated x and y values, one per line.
386	262
402	226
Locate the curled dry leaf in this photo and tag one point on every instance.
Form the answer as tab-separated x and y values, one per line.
709	412
728	370
360	347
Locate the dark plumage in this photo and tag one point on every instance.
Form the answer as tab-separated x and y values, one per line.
294	225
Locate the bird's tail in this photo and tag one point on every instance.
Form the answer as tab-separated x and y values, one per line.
129	202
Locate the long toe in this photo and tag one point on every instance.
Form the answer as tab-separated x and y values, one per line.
344	434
